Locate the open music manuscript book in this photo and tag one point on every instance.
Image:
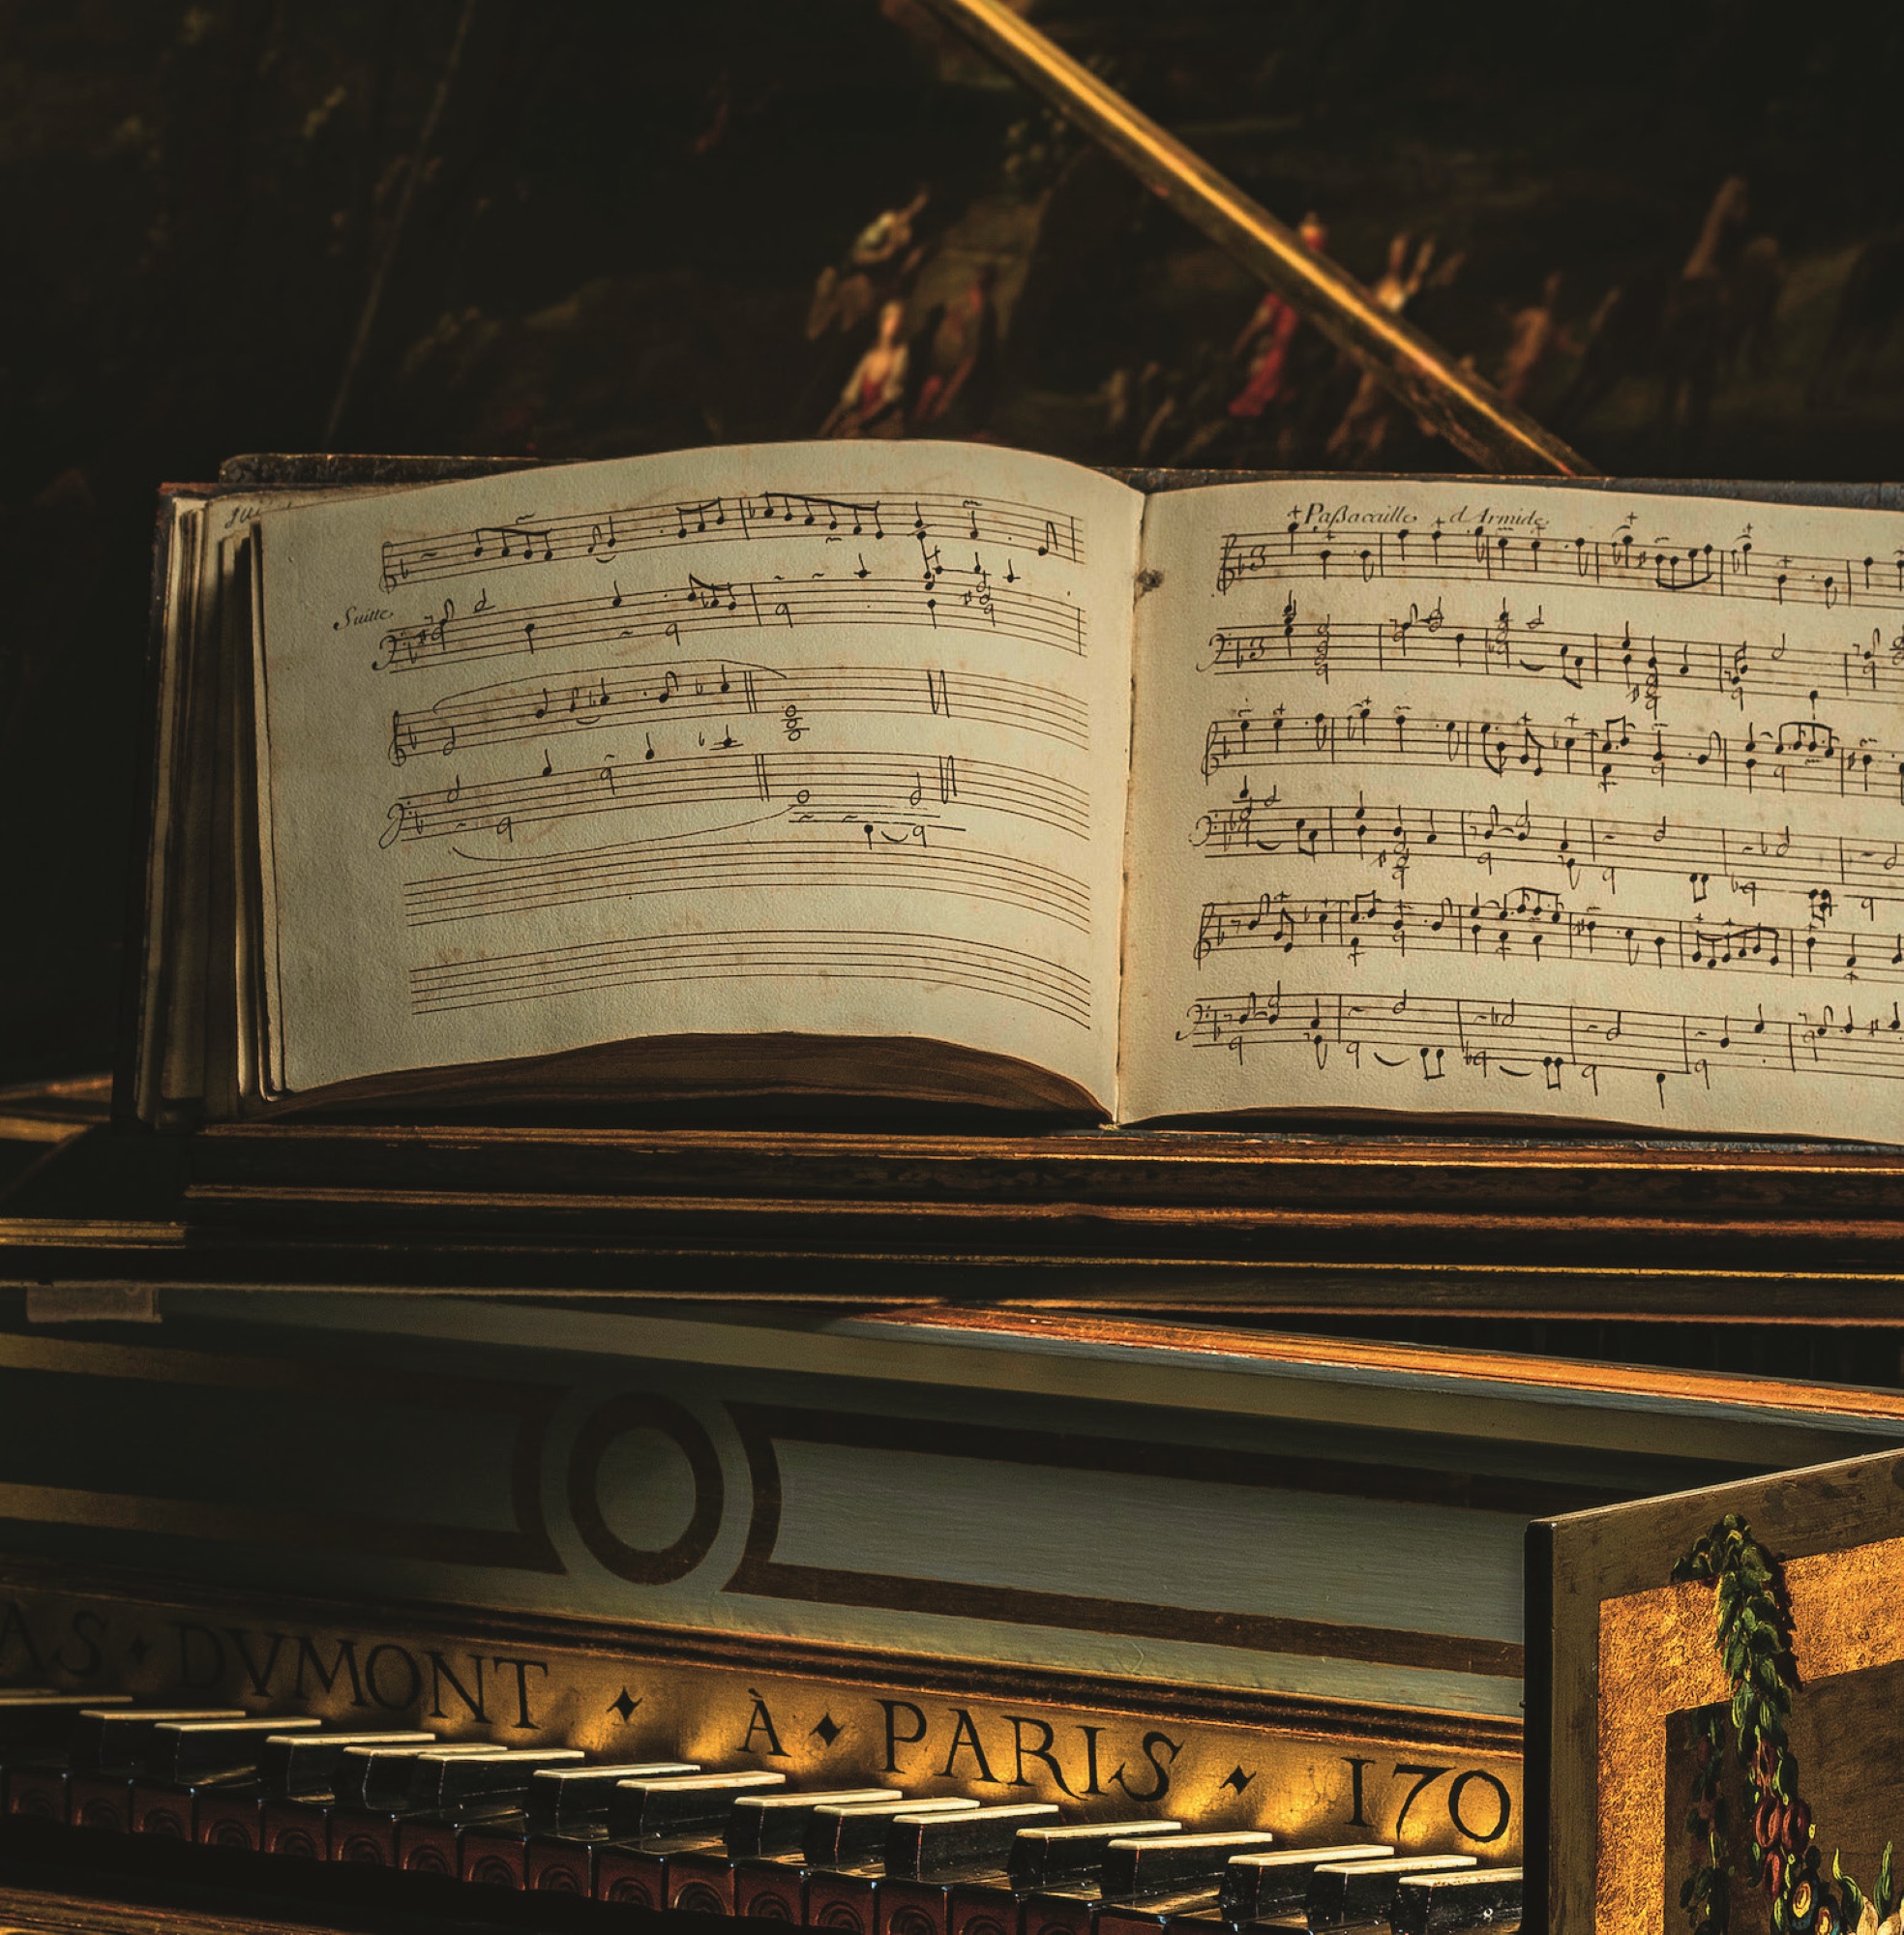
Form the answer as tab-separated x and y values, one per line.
943	771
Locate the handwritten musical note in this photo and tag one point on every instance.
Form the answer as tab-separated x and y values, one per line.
1626	563
1540	926
1648	664
1548	1044
1701	859
624	529
705	604
1793	755
510	714
827	514
808	782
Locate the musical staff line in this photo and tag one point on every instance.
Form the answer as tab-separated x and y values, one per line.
844	783
512	713
1622	563
1645	665
971	601
605	535
1533	923
1796	756
873	856
1393	839
932	959
1540	1041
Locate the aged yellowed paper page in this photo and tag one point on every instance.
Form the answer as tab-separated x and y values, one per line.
1503	799
826	739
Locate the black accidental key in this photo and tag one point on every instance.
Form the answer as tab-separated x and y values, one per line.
378	1778
855	1836
1438	1904
1044	1856
443	1781
1277	1883
1365	1891
188	1753
936	1846
302	1767
776	1824
655	1810
1135	1869
563	1799
36	1722
114	1740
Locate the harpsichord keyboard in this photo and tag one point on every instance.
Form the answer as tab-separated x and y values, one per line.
264	1800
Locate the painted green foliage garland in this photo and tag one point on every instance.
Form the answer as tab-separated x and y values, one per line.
1754	1640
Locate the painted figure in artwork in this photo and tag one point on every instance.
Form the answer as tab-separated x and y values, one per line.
883	255
960	342
1266	336
1537	335
1364	426
873	402
1777	1849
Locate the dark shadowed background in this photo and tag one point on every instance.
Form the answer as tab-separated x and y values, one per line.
613	241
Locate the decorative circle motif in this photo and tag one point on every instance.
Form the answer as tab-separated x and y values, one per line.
632	1891
984	1925
294	1841
98	1814
697	1899
34	1807
909	1921
361	1848
492	1871
231	1834
840	1916
163	1827
426	1861
767	1908
637	1411
556	1881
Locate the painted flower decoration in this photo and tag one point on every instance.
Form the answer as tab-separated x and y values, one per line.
1753	1638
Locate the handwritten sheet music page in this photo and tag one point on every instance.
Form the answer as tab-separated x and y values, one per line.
1484	797
830	738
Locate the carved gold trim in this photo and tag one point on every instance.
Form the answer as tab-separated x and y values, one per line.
942	1675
